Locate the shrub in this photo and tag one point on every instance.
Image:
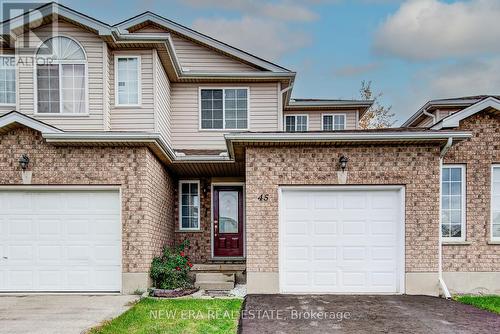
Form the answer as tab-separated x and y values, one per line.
170	269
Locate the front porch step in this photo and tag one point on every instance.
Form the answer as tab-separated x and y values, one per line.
214	281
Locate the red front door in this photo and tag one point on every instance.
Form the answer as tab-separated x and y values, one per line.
228	221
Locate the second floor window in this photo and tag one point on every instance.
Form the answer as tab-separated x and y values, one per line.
7	80
61	77
295	123
334	122
128	69
224	109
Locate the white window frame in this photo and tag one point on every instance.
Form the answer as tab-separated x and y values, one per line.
295	116
15	80
492	238
139	81
462	238
63	62
181	182
333	124
224	109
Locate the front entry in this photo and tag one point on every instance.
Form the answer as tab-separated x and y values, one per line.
228	221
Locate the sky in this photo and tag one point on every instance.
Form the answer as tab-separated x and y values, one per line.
411	50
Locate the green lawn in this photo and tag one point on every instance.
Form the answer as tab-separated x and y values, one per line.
490	303
151	316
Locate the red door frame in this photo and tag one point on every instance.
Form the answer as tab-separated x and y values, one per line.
218	252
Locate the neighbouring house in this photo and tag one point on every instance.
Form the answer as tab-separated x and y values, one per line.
116	140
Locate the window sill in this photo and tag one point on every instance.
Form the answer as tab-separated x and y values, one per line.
188	231
223	130
456	243
493	242
60	115
128	106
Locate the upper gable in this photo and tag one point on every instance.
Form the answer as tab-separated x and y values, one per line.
198	58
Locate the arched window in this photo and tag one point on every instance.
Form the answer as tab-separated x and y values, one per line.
61	77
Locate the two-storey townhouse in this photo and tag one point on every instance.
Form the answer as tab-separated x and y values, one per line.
120	139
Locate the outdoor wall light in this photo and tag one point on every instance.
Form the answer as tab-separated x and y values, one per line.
343	162
24	160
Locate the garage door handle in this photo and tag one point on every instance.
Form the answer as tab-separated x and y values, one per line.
5	257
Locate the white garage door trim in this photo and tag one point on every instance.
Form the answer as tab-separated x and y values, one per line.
401	230
111	188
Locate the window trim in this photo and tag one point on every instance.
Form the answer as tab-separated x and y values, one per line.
139	80
463	169
15	80
333	115
492	238
189	229
63	62
295	115
200	88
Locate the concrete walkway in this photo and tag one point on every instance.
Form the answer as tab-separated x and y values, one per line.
53	314
286	314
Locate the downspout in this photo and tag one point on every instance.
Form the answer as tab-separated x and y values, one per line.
281	105
442	283
426	113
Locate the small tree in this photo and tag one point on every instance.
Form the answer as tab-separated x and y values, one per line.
378	116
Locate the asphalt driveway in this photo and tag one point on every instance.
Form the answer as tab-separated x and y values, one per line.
54	314
363	314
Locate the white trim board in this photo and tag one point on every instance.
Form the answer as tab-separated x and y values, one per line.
453	120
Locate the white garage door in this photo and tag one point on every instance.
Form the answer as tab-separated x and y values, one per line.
60	241
341	240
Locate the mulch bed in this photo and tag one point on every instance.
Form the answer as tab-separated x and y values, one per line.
172	293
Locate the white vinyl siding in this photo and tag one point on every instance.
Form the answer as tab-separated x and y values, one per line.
128	81
495	203
296	123
92	45
453	202
162	100
195	57
7	80
333	122
189	205
186	134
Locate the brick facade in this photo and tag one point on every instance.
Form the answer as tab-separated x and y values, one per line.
416	167
478	154
147	196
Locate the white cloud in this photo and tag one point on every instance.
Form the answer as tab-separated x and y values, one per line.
463	78
284	10
433	29
265	38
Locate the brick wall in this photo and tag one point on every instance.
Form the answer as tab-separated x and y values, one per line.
147	198
478	153
416	167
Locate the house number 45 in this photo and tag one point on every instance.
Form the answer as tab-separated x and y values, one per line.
263	197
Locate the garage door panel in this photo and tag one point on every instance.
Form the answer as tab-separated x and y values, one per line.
325	227
59	242
347	241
